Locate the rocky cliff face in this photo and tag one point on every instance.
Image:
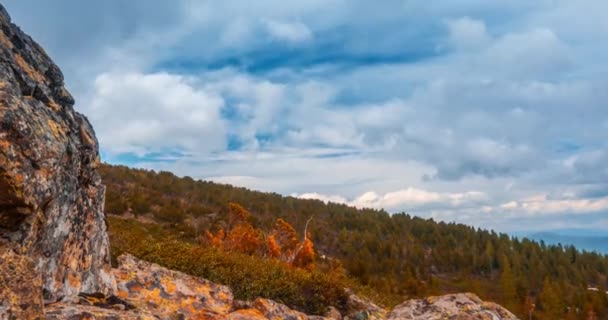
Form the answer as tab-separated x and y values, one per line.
51	196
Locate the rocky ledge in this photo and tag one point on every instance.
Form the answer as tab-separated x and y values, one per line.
148	291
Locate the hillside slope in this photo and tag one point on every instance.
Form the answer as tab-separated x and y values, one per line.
398	256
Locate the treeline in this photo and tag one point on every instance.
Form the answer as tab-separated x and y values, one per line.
398	255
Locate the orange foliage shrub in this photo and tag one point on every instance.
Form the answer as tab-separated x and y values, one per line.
237	214
282	243
305	256
273	250
215	240
243	238
286	237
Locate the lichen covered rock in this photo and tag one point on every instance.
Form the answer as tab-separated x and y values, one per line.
51	196
61	311
165	293
358	308
462	306
20	288
246	314
273	310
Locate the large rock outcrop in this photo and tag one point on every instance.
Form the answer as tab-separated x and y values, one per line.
462	306
51	195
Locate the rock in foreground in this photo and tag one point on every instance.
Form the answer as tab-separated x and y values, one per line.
51	196
167	293
462	306
62	311
20	288
358	308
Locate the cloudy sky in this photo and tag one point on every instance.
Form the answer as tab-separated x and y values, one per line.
490	113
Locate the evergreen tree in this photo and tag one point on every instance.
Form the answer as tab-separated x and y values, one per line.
550	300
507	284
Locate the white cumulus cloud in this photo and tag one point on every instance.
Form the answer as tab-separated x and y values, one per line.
294	32
139	113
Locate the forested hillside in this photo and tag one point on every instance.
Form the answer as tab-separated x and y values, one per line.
398	256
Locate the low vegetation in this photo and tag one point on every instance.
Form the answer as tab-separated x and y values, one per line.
395	256
248	275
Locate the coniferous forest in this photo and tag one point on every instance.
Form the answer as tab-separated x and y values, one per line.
389	257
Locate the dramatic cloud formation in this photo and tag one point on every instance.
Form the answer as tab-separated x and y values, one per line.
487	113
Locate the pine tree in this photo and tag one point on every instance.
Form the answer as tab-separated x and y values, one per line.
550	300
507	284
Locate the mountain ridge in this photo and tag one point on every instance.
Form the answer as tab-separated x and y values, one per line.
595	243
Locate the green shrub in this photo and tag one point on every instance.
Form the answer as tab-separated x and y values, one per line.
248	276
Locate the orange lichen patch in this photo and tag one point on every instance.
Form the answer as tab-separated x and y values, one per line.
122	294
169	285
34	74
44	172
96	162
137	288
18	179
187	304
5	41
56	129
86	137
5	145
53	105
74	280
153	296
246	314
222	296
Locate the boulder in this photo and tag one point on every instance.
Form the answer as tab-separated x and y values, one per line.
358	308
246	314
461	306
51	195
333	314
167	293
62	311
273	310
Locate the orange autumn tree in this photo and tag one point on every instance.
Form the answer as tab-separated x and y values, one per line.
286	238
305	257
282	243
239	236
273	250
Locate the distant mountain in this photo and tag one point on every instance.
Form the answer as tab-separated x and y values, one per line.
589	240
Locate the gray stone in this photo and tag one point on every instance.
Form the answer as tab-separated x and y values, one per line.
51	195
461	306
